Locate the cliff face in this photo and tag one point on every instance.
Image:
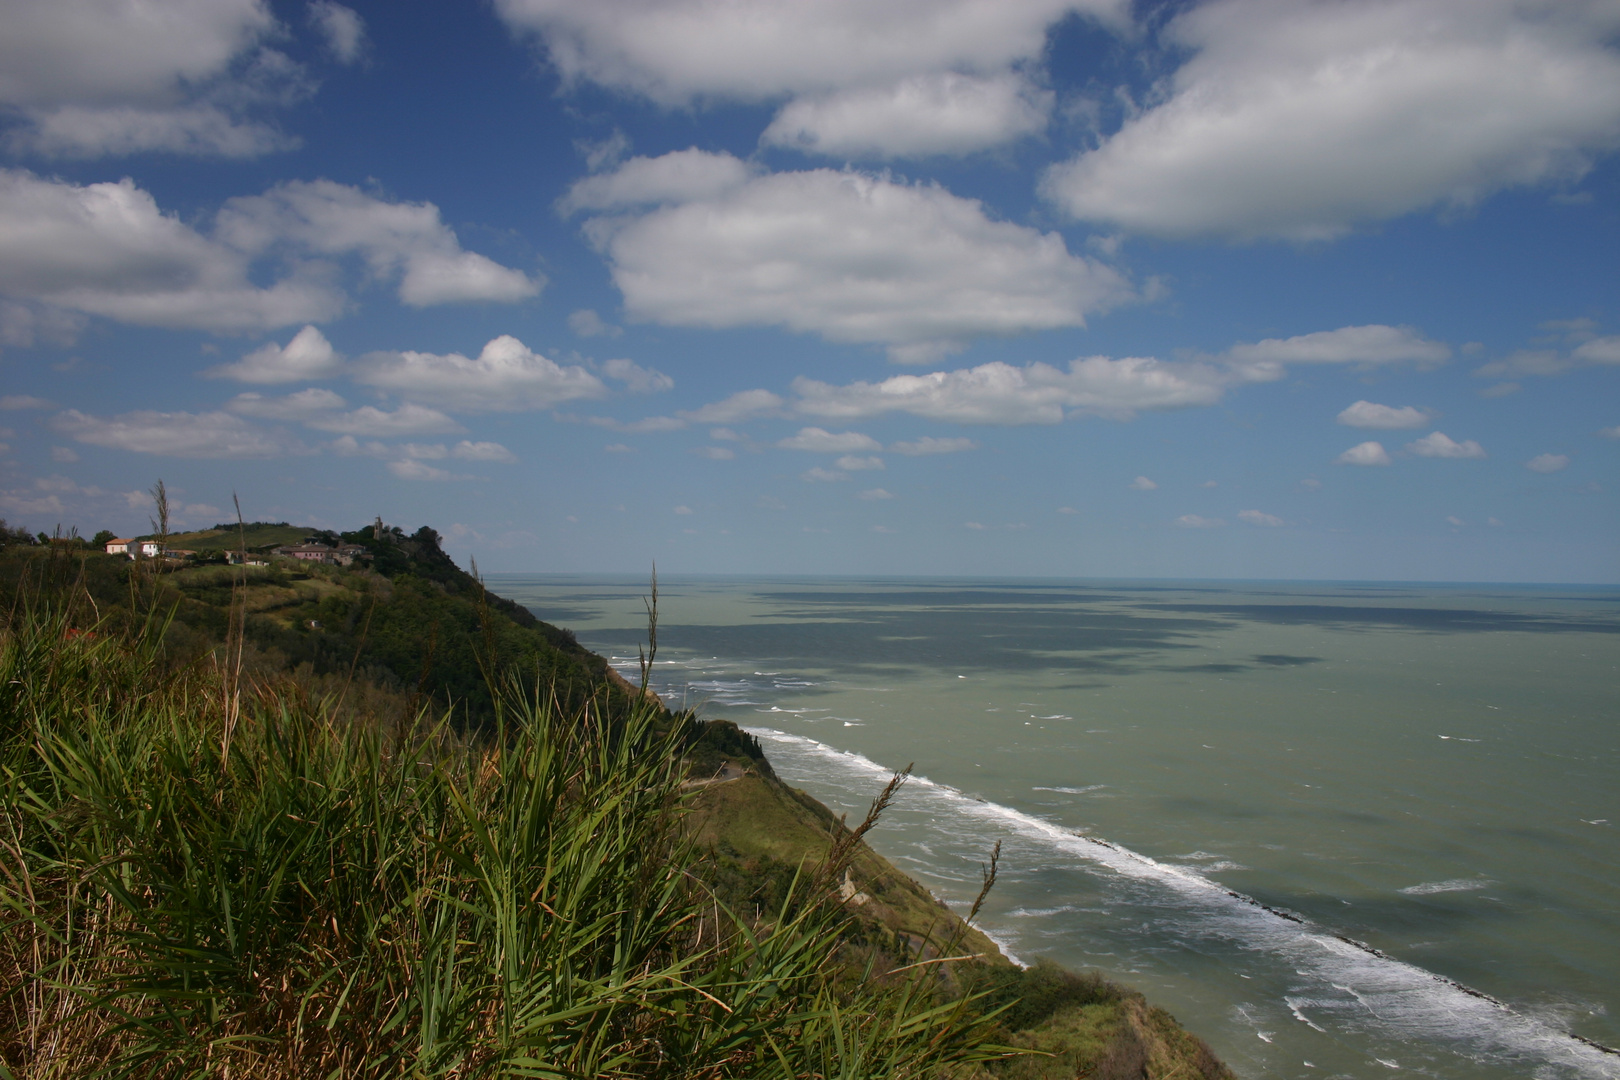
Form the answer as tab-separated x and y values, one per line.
760	834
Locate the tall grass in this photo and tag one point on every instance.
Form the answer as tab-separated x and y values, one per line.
309	898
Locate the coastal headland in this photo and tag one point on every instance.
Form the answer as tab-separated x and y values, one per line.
316	817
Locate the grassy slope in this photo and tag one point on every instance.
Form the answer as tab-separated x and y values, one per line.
760	833
252	537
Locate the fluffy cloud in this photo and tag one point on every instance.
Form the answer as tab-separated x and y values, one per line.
677	177
179	434
483	451
1611	432
506	376
999	393
302	406
875	495
857	463
1142	483
1301	120
743	405
1603	350
407	240
587	323
408	419
818	475
1547	463
936	113
1438	445
411	469
12	402
822	441
307	356
715	453
1367	453
1366	414
1516	365
852	257
637	379
106	249
90	78
1194	521
1257	517
342	27
674	51
1366	346
928	444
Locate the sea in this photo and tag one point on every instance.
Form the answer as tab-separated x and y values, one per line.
1337	829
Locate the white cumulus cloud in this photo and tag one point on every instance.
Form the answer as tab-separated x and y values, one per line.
1367	453
397	239
1365	346
172	434
1194	521
743	405
587	323
412	469
637	379
342	27
858	463
506	376
408	419
1259	517
1603	350
821	441
1367	414
852	257
483	451
1142	483
89	78
307	356
676	51
1301	120
107	249
1437	444
998	393
1547	463
930	444
677	177
935	113
875	495
302	406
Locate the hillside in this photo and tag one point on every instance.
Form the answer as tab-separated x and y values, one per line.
405	636
255	536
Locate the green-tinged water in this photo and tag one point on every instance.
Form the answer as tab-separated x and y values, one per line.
1338	830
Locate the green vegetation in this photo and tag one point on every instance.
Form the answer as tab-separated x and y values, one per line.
405	617
317	821
228	536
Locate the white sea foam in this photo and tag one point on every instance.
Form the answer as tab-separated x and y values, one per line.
1429	888
1353	986
1072	790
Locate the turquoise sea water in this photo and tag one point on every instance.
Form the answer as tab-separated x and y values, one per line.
1338	830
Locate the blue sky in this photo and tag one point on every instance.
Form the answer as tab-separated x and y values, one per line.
1243	288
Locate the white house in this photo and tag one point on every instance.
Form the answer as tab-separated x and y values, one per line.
119	547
